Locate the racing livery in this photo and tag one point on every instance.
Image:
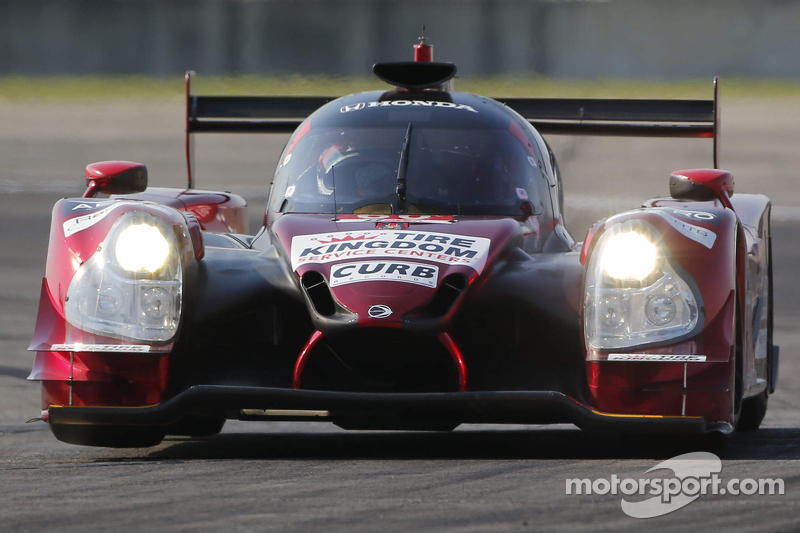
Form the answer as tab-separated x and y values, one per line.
413	272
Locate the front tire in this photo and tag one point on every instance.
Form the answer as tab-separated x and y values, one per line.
753	411
755	408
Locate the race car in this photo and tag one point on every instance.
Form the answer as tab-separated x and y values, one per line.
413	272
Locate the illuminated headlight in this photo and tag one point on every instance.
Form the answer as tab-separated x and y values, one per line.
629	256
131	288
634	295
141	247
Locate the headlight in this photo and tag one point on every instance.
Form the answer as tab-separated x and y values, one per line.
629	256
634	295
131	288
141	247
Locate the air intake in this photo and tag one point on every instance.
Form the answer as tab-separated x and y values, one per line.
446	295
319	293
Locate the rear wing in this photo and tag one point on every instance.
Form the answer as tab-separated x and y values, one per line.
554	116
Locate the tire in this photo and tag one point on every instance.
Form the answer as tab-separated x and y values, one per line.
196	426
755	408
753	411
108	436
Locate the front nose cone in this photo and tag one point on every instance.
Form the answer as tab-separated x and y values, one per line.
382	303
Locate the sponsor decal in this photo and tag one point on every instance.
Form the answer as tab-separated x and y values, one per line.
405	272
662	358
353	107
522	194
290	191
532	161
379	311
392	225
72	207
398	245
417	219
696	233
405	103
77	347
74	225
696	216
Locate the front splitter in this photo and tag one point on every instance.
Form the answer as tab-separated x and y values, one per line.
493	407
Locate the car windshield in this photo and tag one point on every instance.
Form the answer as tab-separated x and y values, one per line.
450	171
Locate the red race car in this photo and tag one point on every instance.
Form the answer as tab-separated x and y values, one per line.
413	272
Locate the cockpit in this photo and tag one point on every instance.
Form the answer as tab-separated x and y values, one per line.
418	160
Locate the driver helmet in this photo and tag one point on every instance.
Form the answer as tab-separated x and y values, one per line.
361	177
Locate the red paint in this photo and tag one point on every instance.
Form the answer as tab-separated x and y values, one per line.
299	134
416	219
99	175
403	298
66	254
516	131
91	190
106	169
101	379
657	388
196	235
455	353
589	240
423	52
50	322
719	181
301	360
215	211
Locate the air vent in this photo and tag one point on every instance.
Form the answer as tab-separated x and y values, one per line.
446	295
319	293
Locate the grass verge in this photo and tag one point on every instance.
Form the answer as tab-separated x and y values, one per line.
92	88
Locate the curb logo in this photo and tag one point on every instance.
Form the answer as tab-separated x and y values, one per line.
379	311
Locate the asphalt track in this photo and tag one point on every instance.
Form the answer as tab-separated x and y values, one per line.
299	477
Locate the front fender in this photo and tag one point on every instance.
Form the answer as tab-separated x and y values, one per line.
661	379
68	358
79	226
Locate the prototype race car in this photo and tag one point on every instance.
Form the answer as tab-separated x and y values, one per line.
413	272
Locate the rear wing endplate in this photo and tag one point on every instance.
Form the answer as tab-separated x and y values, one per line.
554	116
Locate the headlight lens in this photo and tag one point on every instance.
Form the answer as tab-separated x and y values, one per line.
131	288
629	256
141	247
634	295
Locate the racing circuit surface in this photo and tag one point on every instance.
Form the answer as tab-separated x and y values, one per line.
300	477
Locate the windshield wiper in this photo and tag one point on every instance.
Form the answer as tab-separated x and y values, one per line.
402	170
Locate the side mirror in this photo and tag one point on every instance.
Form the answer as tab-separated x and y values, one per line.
702	185
115	177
